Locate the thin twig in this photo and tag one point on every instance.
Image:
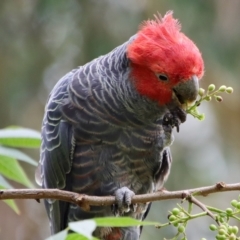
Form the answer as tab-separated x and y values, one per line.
202	206
86	201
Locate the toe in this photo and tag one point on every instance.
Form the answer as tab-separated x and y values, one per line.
123	200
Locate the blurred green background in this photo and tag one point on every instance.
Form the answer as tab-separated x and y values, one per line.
41	40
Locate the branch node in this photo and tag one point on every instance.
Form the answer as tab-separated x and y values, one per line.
220	185
186	195
81	202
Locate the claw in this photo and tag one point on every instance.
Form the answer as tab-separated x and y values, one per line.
123	201
177	127
115	210
133	207
174	118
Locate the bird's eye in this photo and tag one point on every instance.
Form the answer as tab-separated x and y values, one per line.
162	77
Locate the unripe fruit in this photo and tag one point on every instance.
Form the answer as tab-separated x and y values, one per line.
229	90
175	224
235	229
224	227
219	98
229	211
222	88
232	237
222	232
230	229
181	229
234	203
172	218
221	237
221	220
201	92
181	215
222	215
208	98
175	211
201	116
211	87
213	227
238	205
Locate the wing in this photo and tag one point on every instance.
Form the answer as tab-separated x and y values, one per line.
161	176
56	153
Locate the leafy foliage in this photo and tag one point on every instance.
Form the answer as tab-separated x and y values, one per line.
179	217
84	229
9	156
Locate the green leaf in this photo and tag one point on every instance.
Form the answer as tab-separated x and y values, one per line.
11	203
10	168
59	236
20	137
85	227
14	153
76	236
120	222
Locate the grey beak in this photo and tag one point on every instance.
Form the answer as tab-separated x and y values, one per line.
187	91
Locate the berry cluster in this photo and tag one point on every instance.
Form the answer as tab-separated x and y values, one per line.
225	230
179	217
207	96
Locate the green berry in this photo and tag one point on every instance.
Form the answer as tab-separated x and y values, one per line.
201	116
213	227
229	90
222	231
172	218
224	227
221	220
232	237
222	88
175	224
211	87
175	211
181	215
208	98
181	229
234	203
235	229
238	205
221	237
222	214
218	98
230	229
201	92
229	211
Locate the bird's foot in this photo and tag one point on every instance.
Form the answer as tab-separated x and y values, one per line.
175	118
123	201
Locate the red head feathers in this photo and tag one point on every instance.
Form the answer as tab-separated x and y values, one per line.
160	48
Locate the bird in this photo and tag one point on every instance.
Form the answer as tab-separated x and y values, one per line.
108	125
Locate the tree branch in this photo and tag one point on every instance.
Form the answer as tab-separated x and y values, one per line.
85	201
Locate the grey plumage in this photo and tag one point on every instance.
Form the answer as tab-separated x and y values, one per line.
99	135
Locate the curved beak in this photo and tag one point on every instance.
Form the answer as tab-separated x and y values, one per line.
187	91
